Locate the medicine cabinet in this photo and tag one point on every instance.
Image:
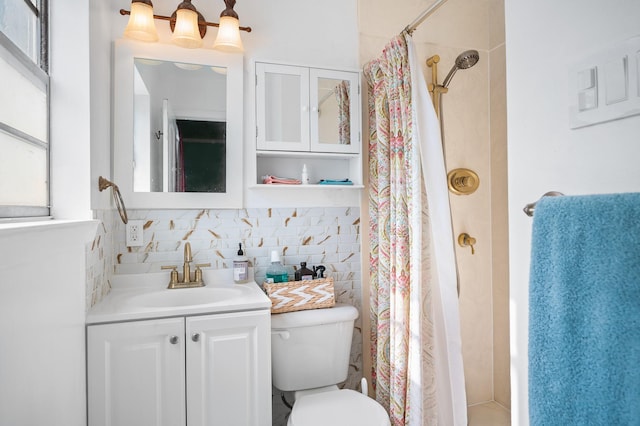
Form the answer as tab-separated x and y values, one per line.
308	116
178	126
307	109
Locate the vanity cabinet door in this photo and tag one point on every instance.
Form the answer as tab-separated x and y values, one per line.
136	373
229	369
282	107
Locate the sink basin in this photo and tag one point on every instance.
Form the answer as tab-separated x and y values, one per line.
186	297
145	296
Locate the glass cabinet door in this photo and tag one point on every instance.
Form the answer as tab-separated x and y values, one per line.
282	107
335	111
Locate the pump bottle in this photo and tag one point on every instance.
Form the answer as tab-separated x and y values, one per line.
240	266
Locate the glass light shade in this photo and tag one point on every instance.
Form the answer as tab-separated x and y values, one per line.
186	32
228	38
141	25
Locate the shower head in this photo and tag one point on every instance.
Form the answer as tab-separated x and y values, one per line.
465	60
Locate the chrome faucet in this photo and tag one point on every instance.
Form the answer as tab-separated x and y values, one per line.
186	281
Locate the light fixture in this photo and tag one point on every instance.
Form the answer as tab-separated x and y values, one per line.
186	28
187	24
141	25
228	38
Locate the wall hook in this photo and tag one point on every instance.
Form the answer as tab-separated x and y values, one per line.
158	134
465	240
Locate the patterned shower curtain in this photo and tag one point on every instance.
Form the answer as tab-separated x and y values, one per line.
402	262
344	104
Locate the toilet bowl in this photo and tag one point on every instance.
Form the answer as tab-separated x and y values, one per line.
310	356
344	407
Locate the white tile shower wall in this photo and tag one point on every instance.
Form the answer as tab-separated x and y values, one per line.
99	259
327	236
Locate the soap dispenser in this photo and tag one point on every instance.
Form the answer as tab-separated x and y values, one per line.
240	266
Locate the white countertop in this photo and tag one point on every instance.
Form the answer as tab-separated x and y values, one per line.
133	297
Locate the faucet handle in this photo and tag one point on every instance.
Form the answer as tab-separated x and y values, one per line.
174	274
198	272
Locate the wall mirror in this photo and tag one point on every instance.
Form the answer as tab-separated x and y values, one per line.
177	126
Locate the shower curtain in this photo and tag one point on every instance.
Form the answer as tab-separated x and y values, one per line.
344	103
415	330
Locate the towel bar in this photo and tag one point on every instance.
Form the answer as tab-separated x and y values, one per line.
530	208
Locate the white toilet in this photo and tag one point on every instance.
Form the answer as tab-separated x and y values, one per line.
310	356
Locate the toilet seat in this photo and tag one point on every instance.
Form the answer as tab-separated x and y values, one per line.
338	408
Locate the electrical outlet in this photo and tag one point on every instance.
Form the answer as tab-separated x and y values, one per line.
134	233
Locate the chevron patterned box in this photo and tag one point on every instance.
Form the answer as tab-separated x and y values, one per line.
300	295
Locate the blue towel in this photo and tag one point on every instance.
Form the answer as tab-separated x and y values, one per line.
335	182
584	311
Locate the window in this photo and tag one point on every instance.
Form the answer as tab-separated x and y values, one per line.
24	109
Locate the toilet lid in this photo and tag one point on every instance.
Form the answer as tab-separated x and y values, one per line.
338	408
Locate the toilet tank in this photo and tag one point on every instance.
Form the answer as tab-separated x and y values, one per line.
310	349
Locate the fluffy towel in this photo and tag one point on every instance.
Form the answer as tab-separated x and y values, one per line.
584	311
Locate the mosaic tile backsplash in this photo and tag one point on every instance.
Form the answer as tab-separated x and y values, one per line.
318	236
99	259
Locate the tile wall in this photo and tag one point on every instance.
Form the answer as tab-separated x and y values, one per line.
99	259
327	236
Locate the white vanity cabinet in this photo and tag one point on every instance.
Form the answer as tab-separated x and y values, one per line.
200	370
310	116
136	373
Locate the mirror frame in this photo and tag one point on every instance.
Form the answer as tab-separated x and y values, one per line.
125	51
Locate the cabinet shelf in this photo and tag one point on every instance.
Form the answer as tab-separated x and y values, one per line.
312	187
303	155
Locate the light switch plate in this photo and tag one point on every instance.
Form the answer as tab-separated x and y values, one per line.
605	85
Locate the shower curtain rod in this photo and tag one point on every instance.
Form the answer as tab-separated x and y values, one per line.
424	15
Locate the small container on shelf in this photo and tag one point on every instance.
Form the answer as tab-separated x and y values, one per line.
276	271
304	273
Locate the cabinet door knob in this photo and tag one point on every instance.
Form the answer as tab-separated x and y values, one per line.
174	340
195	337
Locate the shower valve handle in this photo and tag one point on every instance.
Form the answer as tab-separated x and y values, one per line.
465	240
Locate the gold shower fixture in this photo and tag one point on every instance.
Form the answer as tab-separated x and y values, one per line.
465	60
466	240
435	89
463	181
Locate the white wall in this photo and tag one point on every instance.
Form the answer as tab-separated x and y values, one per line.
543	38
70	106
42	266
42	313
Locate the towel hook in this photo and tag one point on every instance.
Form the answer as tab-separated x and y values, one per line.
117	197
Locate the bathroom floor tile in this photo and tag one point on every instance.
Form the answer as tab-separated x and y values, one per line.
488	414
